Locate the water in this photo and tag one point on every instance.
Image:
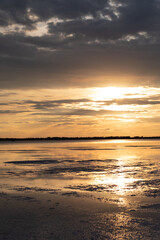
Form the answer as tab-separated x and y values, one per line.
80	190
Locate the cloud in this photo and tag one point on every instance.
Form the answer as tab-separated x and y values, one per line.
133	101
24	11
82	112
10	112
150	120
133	17
67	9
54	103
79	107
116	42
7	94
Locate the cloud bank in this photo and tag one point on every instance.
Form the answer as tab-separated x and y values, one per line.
72	43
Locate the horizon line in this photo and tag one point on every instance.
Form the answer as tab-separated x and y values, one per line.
77	138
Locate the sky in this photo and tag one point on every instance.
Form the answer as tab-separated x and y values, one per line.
79	68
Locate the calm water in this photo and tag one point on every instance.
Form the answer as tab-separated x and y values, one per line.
111	188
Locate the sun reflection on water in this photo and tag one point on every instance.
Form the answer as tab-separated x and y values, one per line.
118	182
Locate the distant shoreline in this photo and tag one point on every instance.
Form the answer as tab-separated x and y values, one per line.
78	138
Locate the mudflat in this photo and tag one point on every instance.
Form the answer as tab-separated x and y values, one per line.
102	189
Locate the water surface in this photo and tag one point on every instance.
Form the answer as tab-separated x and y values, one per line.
90	189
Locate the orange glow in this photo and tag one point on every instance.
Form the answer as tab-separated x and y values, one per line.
114	92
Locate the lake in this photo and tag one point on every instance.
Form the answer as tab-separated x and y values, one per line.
105	189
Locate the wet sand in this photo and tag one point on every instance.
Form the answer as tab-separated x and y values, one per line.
85	190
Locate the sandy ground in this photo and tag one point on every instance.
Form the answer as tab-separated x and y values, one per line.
45	216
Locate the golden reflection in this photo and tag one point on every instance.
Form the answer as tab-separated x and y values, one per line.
118	181
118	141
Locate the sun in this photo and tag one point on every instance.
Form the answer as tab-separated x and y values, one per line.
113	92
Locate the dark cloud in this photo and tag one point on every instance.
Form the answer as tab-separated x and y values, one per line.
72	68
10	112
7	94
73	107
13	11
81	112
137	102
18	11
136	17
48	104
55	103
91	39
67	8
133	101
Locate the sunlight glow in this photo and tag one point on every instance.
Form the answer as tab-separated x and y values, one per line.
114	92
115	107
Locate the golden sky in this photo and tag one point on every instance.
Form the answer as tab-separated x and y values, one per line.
108	111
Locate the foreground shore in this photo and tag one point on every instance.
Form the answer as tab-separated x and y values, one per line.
81	190
45	216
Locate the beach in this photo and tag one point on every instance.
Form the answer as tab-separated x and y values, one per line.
102	189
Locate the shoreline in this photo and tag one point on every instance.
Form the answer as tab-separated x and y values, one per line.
80	138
